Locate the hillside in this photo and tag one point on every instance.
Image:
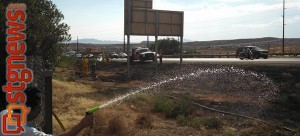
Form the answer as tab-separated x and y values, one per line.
262	42
240	42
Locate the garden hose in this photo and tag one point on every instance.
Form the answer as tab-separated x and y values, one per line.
59	122
89	112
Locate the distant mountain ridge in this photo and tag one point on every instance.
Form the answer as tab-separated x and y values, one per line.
95	41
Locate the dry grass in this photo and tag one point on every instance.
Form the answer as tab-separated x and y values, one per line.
70	101
144	121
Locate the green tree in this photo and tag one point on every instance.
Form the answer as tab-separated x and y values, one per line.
169	46
45	30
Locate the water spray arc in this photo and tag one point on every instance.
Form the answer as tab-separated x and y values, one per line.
151	86
198	73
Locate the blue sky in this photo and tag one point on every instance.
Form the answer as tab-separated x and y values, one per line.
204	19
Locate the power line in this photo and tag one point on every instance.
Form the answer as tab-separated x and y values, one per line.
283	26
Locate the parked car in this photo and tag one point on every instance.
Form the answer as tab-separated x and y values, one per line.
257	52
122	55
90	55
69	53
78	55
113	55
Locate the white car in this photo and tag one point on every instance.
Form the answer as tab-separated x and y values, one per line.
91	55
78	55
122	55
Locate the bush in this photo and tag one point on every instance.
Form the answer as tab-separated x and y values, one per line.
212	123
181	108
196	123
170	108
163	104
67	62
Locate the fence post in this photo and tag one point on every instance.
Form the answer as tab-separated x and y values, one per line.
48	99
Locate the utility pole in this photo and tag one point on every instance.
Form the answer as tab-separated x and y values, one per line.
77	46
124	44
283	38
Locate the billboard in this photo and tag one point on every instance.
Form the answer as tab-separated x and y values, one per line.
154	22
144	4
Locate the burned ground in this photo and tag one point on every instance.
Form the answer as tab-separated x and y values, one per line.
269	93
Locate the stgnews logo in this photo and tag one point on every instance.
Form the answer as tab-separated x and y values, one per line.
17	73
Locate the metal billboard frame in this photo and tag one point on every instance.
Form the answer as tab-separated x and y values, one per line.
160	24
146	4
146	21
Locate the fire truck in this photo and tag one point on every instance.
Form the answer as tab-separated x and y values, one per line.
141	54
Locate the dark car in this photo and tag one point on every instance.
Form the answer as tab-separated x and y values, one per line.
256	51
113	55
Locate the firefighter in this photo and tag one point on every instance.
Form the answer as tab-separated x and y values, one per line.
93	64
85	65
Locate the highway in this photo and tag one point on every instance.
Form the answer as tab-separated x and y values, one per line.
291	61
236	60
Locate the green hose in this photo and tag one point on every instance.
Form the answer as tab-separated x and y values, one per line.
92	110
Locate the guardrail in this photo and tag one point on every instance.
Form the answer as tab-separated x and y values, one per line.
284	54
229	55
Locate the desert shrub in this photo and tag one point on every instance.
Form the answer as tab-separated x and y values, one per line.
181	108
170	108
212	123
163	104
195	122
66	62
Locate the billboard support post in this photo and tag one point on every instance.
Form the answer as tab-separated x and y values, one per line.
128	40
181	43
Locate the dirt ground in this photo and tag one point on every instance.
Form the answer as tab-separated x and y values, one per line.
252	92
